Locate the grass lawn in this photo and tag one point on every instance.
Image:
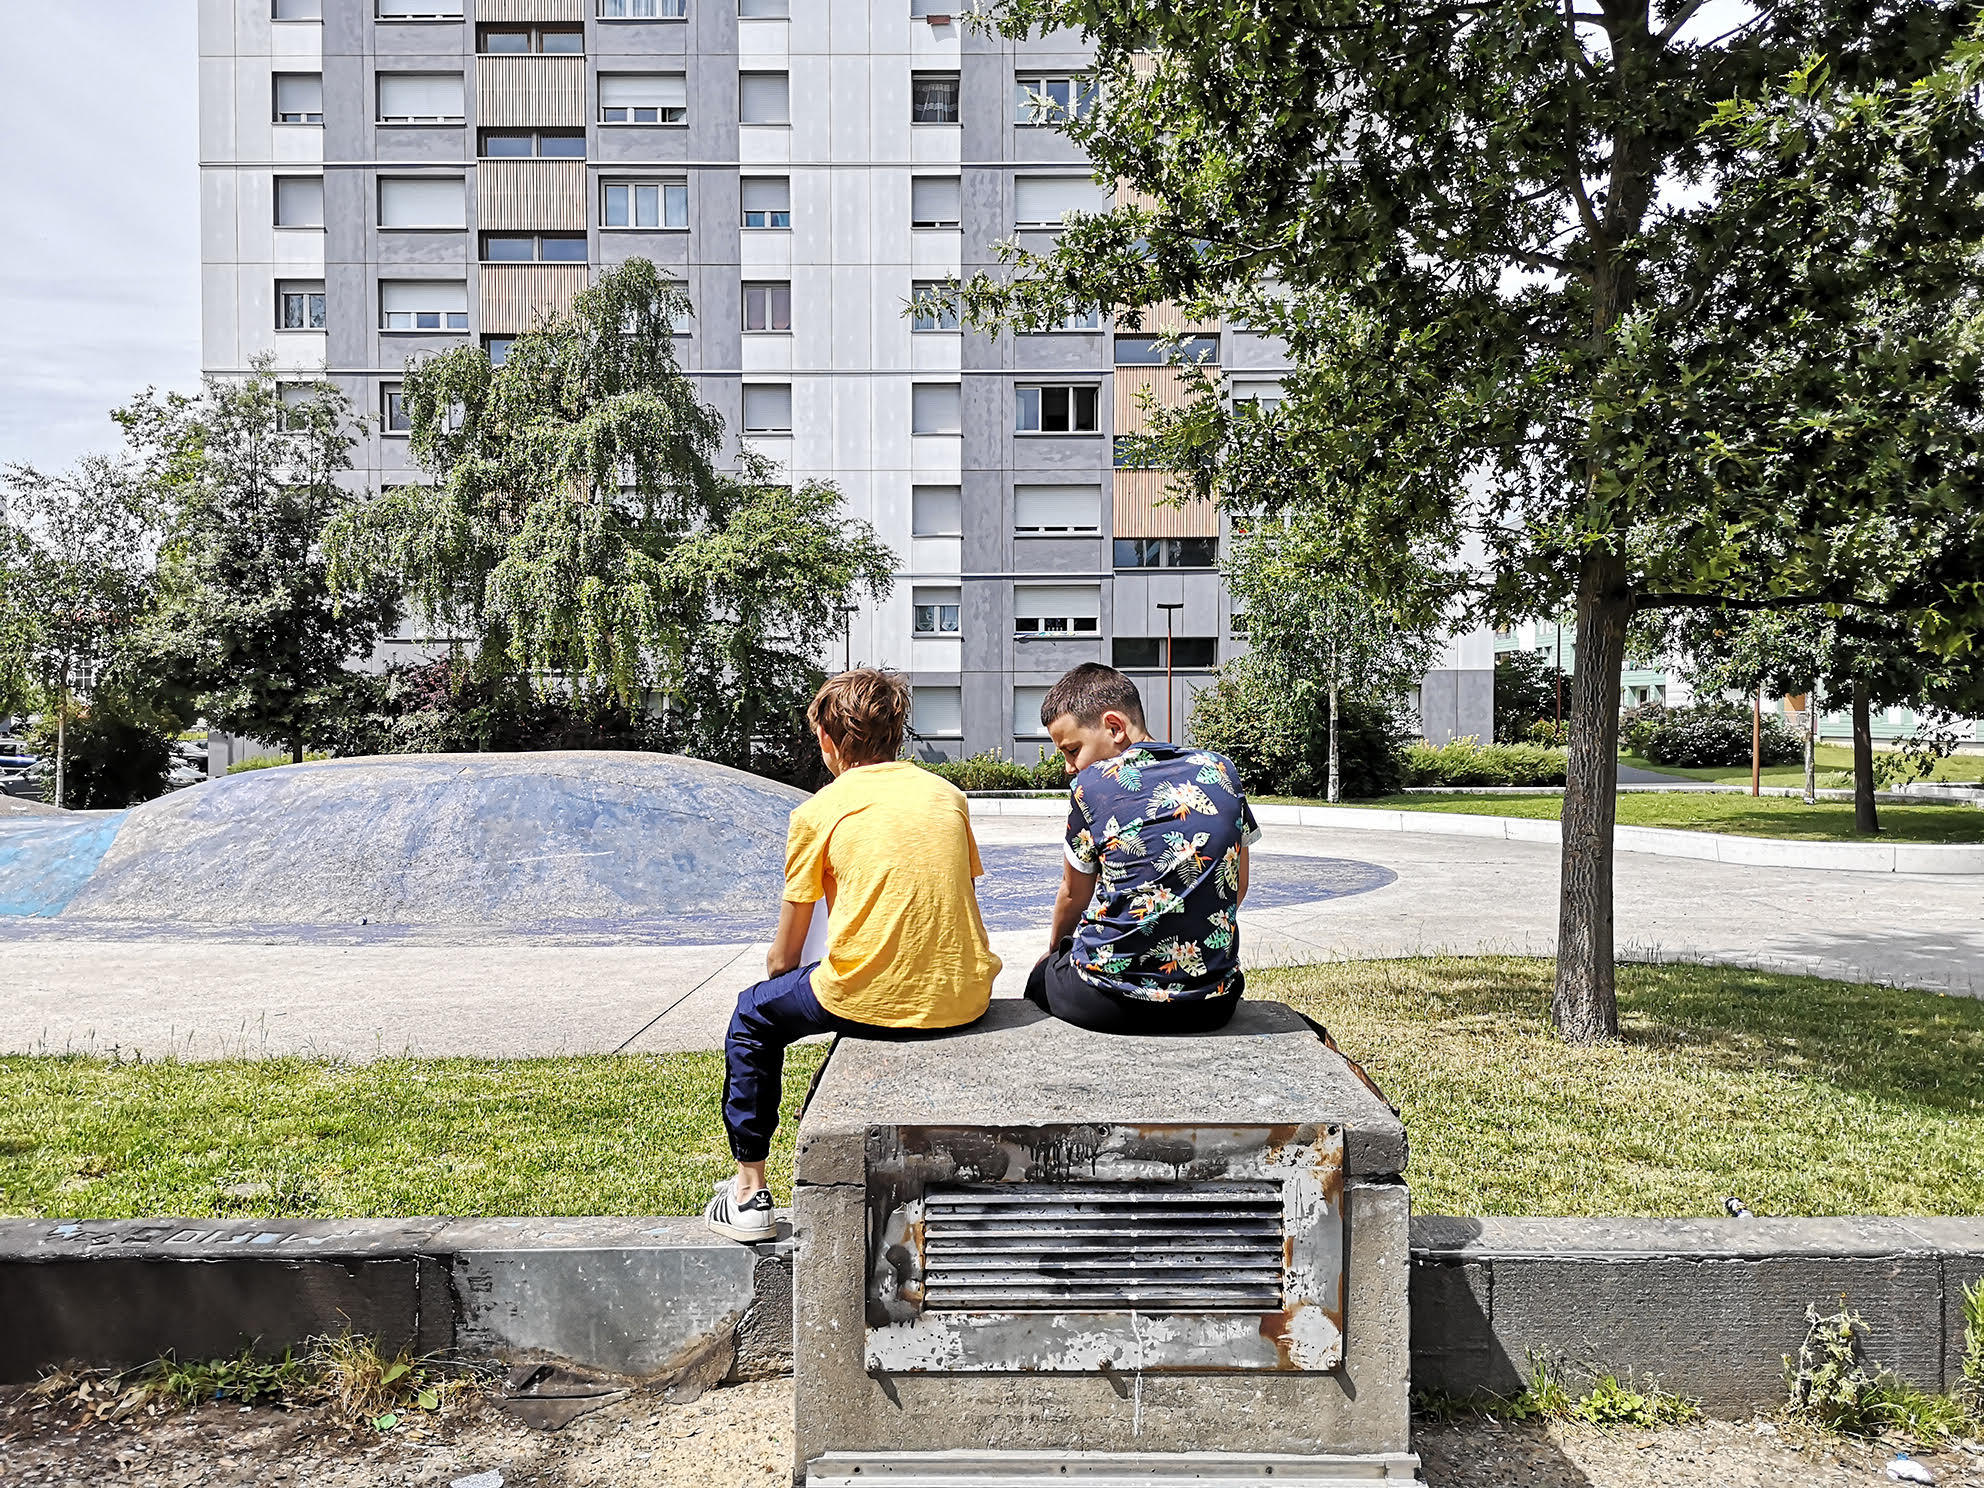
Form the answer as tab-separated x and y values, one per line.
1760	816
1801	1096
1958	769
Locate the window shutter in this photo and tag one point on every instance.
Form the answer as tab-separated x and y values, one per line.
767	408
936	511
299	201
1026	712
1049	199
934	199
668	90
1075	601
934	408
767	194
422	201
936	710
300	93
420	95
764	98
422	294
1057	508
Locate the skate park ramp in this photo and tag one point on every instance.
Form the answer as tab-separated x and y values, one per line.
470	841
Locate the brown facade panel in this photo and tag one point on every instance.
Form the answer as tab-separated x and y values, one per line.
531	195
1147	506
530	10
516	296
1137	387
530	92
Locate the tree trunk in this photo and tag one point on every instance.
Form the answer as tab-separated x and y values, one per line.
1584	1003
1757	743
1812	745
1336	774
1865	818
296	751
62	732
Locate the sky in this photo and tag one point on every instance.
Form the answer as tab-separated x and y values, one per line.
100	260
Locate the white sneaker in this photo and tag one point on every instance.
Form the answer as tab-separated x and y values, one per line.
749	1221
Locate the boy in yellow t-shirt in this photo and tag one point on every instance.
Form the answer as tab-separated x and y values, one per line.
889	847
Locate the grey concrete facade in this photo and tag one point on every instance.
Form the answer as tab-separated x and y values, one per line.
851	258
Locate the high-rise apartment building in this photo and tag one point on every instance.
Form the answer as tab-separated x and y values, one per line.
386	178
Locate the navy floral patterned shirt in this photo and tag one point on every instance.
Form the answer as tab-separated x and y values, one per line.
1161	826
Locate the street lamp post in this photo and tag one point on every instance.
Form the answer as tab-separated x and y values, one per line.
847	614
1170	732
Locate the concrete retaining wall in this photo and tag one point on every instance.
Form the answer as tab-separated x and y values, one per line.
1708	1306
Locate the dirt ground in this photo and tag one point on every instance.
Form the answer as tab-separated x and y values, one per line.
742	1438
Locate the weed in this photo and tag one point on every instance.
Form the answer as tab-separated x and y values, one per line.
1612	1403
1547	1397
1833	1387
1973	1344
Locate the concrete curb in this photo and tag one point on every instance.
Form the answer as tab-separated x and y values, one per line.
1710	1307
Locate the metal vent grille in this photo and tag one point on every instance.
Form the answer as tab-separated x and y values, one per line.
1115	1247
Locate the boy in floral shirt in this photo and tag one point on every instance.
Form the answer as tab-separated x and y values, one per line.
1146	936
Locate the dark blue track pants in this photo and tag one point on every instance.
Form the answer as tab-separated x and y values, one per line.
770	1017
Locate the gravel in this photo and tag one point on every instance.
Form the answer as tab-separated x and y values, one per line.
741	1437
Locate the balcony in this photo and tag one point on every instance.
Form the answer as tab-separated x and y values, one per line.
530	92
516	296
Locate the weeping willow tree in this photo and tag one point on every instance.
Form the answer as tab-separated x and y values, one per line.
581	531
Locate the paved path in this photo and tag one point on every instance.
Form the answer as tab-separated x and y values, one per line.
1460	895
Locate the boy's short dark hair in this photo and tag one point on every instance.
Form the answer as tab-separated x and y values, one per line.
865	712
1089	691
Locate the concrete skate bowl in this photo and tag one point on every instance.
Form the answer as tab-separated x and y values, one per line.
656	846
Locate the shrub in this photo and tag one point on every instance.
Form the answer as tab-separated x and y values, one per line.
1470	762
1637	725
1718	737
1549	733
116	753
992	771
1278	735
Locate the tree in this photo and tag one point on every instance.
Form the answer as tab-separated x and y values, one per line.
249	630
1645	317
1527	687
1312	626
580	530
75	570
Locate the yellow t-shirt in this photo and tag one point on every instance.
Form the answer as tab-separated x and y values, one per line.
890	848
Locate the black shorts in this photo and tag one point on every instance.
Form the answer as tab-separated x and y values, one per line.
1057	987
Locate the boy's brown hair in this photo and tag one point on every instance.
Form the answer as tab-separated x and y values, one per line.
865	712
1089	691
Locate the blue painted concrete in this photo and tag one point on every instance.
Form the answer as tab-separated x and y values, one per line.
44	861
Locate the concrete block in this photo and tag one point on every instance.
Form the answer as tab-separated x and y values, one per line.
1937	858
1534	829
1016	1066
1767	852
1462	823
764	1337
1358	818
1665	842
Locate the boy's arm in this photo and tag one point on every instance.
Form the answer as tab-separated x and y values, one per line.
1077	889
789	940
1240	893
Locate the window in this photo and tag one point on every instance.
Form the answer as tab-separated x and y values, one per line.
684	320
936	612
768	307
643	98
1057	511
1046	201
1167	552
299	201
423	305
295	396
644	204
1057	611
1056	409
934	408
934	201
941	314
392	410
299	98
1082	320
1027	703
547	144
767	408
1263	392
1149	351
764	98
420	98
533	247
297	10
422	201
764	10
498	348
933	98
420	10
936	712
1052	99
300	305
936	511
643	10
563	41
1146	653
767	201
